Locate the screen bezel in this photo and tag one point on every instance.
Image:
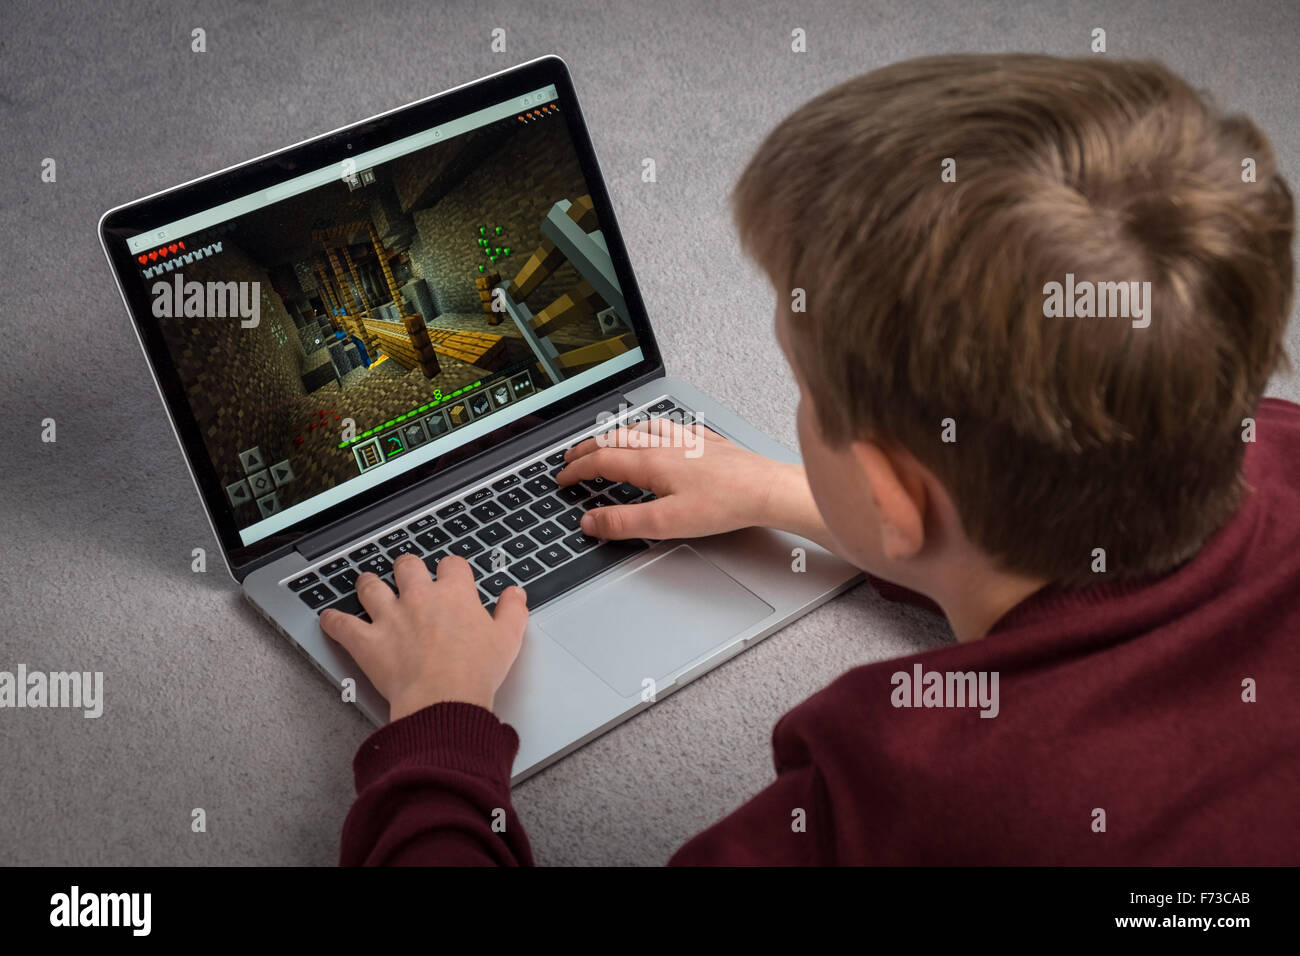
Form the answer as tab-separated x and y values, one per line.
124	222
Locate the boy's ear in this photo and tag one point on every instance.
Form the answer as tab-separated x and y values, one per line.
899	496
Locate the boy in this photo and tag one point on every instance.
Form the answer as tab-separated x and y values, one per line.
1043	299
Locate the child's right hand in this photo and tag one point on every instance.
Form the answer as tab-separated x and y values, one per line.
703	483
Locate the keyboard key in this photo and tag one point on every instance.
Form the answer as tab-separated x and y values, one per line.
625	494
600	501
526	569
334	567
431	561
582	568
553	555
572	494
546	533
316	595
491	534
536	468
517	547
459	525
514	498
344	582
420	524
302	581
466	547
658	408
365	551
351	604
497	583
597	484
571	519
557	458
546	506
492	561
434	538
577	543
488	511
376	564
406	547
505	483
448	510
541	485
479	494
390	539
520	520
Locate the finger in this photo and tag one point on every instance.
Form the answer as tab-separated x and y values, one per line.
585	447
347	629
616	464
375	594
648	519
409	572
454	571
673	428
642	434
512	611
652	433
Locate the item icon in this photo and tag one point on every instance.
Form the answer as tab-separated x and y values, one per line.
367	454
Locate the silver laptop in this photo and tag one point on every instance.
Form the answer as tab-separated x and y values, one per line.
382	340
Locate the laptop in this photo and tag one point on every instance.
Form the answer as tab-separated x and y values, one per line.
382	341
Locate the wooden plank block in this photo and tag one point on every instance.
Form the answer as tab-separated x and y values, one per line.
578	303
540	264
482	349
583	213
576	360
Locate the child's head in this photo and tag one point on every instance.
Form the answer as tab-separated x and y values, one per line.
956	407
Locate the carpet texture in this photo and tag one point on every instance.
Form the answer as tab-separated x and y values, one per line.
205	706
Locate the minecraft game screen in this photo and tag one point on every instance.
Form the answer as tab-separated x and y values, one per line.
330	334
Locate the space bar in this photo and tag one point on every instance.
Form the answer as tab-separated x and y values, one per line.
583	568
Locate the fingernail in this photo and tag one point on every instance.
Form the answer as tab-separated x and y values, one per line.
588	522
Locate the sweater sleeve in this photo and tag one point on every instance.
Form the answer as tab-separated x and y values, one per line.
433	789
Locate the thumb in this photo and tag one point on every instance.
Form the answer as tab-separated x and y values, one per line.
512	611
615	522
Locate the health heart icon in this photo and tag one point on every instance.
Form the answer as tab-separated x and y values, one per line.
142	259
173	247
181	244
153	256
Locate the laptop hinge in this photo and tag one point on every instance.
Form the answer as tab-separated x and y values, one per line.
358	525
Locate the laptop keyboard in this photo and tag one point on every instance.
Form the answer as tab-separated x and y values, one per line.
520	528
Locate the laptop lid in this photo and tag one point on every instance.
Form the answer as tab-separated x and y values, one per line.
338	321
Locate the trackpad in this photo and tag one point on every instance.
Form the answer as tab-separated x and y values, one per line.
653	621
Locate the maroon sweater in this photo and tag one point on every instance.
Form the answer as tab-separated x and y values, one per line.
1121	698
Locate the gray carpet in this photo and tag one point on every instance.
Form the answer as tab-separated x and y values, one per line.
206	707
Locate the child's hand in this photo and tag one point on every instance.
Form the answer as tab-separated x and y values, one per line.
703	483
435	642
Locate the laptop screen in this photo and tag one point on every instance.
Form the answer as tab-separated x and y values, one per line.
356	321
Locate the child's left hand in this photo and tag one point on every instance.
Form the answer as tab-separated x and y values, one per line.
435	642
